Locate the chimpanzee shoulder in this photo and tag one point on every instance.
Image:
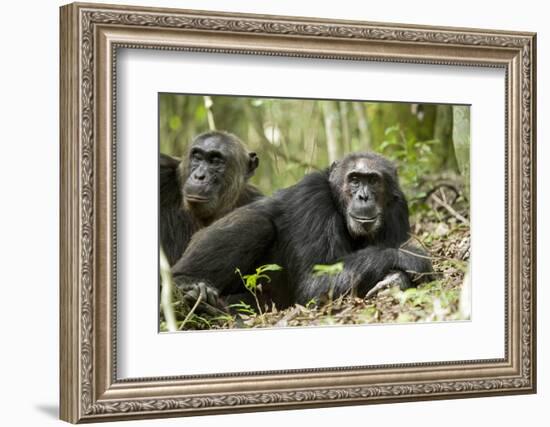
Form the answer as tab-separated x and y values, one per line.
311	228
250	194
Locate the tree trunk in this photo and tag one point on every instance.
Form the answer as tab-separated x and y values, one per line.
461	142
330	115
363	125
443	132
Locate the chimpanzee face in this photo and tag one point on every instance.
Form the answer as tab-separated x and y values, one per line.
361	182
207	164
217	168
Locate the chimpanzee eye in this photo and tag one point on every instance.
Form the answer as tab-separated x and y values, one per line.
373	179
353	180
216	161
196	157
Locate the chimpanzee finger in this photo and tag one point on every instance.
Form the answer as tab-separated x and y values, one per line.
405	281
392	279
210	294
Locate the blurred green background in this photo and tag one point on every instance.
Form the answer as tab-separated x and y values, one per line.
292	137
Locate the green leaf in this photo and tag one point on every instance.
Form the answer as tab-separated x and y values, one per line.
250	281
391	129
386	144
268	267
243	307
322	269
311	303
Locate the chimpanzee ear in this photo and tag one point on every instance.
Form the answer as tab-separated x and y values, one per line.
253	163
334	165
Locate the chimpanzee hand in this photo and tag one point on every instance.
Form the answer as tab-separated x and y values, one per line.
204	296
395	278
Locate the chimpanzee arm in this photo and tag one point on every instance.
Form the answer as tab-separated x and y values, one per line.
364	268
416	262
176	227
237	240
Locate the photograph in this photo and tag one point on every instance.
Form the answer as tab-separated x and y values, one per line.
282	212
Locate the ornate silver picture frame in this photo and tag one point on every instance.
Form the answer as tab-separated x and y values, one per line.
91	36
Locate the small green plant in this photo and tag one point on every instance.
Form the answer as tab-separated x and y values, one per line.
252	281
311	303
243	308
194	321
328	269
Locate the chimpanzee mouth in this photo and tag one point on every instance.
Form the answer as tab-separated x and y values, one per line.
196	199
364	220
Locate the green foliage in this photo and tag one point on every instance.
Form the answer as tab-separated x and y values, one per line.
431	297
332	269
311	303
415	160
251	281
194	321
454	263
244	308
461	141
293	137
174	122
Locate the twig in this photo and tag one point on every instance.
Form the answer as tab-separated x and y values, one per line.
426	273
269	146
290	315
191	312
331	302
258	305
433	258
416	255
451	210
209	114
166	293
289	157
417	240
440	186
443	196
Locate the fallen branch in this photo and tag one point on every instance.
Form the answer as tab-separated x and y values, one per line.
450	209
440	186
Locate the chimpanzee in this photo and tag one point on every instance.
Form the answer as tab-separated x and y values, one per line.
195	191
354	212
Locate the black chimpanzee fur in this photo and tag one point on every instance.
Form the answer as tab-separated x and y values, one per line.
355	213
209	183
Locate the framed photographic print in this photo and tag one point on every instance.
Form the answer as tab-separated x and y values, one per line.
265	212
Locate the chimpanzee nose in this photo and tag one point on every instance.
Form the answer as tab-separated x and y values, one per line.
363	197
199	176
